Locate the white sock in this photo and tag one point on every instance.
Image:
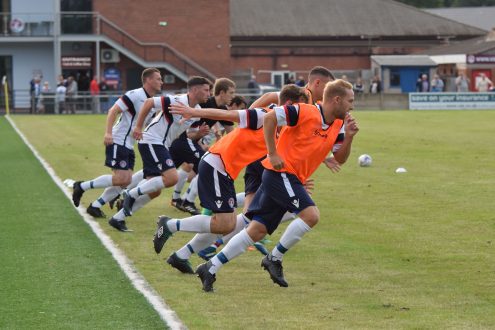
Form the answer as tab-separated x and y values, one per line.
195	224
100	182
288	216
192	192
240	199
234	248
180	183
293	234
136	179
149	186
120	216
196	244
140	202
108	194
241	223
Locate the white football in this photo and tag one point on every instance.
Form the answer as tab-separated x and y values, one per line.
365	160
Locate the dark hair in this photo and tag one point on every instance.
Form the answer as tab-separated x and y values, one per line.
222	84
320	71
238	100
197	80
148	73
292	93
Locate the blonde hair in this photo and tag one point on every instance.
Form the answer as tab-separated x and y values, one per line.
337	87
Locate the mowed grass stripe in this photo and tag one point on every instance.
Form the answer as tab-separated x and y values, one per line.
55	273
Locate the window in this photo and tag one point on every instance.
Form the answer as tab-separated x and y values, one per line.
394	77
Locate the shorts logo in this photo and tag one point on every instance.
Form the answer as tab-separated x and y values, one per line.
219	203
296	203
196	154
123	164
114	162
169	162
159	166
231	202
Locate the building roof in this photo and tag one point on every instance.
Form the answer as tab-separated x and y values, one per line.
480	17
403	60
339	18
471	46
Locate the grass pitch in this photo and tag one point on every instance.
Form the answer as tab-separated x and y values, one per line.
397	251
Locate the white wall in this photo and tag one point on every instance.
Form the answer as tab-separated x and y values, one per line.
29	60
33	10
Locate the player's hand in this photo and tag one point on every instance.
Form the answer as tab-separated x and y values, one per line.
276	161
351	127
108	139
332	164
204	130
309	185
183	110
137	133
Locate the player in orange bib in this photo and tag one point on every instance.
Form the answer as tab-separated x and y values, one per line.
310	133
218	169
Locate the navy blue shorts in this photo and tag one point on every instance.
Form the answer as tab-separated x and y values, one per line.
119	157
156	159
279	192
216	191
252	176
184	150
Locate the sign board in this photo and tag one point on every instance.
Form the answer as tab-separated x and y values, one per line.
76	62
112	77
452	101
480	59
16	25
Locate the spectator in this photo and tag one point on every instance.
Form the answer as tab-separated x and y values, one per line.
300	81
94	89
376	85
423	85
254	88
462	83
436	84
483	84
71	94
35	92
41	105
60	95
104	89
358	87
290	80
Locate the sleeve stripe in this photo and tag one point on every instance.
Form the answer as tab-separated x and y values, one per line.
129	104
291	114
252	119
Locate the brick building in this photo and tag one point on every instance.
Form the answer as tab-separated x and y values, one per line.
273	39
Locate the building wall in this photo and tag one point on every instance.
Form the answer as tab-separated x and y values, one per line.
25	67
200	29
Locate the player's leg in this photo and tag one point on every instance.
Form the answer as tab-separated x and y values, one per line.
158	168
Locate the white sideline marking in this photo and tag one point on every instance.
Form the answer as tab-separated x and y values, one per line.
139	282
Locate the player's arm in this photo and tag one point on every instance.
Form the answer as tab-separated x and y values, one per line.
143	113
351	129
198	132
111	117
216	114
270	124
265	100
